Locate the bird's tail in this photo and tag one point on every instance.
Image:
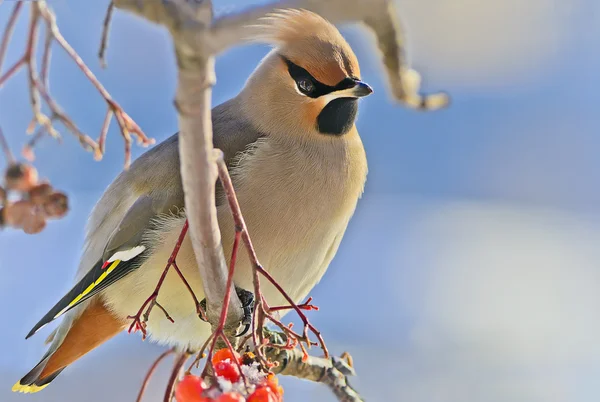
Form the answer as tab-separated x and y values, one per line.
76	336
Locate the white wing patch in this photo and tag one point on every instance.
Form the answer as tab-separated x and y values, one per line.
126	255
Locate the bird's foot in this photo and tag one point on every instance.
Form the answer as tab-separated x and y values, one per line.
247	299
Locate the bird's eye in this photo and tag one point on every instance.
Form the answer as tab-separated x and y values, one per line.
305	85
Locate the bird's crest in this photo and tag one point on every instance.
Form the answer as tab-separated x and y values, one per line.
290	25
308	40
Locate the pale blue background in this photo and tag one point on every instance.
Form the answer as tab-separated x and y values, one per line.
471	269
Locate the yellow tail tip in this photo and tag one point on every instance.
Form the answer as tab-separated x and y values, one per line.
27	389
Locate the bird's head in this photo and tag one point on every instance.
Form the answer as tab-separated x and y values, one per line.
309	83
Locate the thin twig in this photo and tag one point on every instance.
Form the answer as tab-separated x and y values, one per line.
10	158
105	31
126	122
177	369
46	58
219	332
8	31
199	309
39	84
304	306
150	372
141	318
12	70
104	133
242	229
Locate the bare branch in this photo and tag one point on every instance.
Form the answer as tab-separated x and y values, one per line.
8	31
39	85
332	372
10	158
175	374
199	176
380	16
105	31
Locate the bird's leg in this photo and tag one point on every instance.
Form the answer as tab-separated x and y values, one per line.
247	299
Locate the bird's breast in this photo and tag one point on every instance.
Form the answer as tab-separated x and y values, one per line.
297	204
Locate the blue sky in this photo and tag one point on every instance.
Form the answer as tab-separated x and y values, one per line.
470	271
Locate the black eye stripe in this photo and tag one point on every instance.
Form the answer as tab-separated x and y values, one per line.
297	73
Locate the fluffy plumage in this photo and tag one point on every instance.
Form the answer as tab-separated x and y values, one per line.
297	183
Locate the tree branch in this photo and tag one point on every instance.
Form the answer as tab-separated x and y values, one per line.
198	168
381	16
332	372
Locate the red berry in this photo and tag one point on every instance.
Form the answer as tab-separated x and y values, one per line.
190	390
230	397
263	394
273	384
227	370
224	354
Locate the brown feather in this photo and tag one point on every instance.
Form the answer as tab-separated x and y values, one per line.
310	41
95	326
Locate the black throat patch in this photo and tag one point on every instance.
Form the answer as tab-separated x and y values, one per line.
338	116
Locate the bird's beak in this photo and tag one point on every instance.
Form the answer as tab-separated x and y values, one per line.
361	89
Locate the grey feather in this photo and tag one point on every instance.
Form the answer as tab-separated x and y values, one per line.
129	207
115	221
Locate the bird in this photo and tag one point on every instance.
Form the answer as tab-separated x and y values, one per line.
298	167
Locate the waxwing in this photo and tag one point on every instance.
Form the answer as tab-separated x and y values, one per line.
298	167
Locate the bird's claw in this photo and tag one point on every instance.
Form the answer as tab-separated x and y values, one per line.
203	307
247	299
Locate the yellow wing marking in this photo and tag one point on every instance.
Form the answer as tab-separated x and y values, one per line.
89	288
28	389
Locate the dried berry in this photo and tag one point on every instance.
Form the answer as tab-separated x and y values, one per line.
56	205
21	177
34	223
40	193
17	213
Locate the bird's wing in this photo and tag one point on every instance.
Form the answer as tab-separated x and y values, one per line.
125	252
118	244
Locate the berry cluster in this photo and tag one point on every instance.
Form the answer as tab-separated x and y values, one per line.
228	383
34	203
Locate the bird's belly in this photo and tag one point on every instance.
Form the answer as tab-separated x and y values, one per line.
128	295
294	246
293	242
